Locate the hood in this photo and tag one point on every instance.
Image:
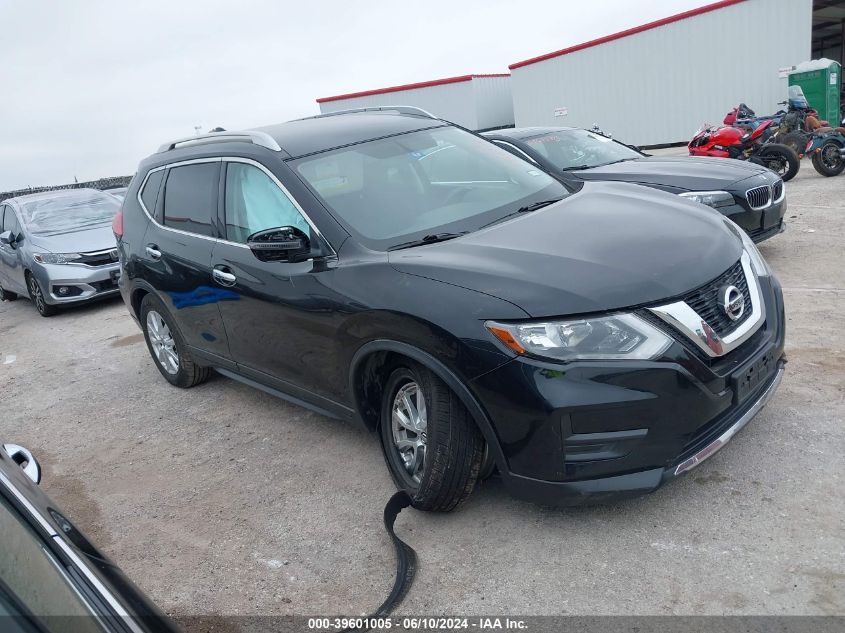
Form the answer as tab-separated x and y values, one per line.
687	173
607	247
98	238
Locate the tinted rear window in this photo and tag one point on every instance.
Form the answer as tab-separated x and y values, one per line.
190	197
149	194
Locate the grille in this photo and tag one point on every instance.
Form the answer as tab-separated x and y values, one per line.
101	258
759	197
103	286
705	300
777	191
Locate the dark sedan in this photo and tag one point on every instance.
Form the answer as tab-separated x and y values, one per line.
750	195
51	578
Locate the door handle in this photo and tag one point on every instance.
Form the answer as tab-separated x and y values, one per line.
223	278
152	251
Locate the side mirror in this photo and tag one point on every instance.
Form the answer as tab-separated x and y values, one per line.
7	238
24	458
282	244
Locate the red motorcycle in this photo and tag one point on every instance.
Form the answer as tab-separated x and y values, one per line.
746	144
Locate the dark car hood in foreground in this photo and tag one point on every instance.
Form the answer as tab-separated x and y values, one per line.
679	172
98	238
610	246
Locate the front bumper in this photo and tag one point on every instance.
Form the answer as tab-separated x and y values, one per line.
590	432
760	224
83	283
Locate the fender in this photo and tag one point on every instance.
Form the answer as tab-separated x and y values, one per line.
446	375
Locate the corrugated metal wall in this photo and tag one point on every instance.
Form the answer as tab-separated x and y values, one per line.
454	101
493	102
479	103
660	85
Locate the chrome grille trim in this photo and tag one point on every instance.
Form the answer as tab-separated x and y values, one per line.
778	192
759	197
686	320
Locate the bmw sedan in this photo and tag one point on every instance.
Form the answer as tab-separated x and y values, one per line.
57	248
750	195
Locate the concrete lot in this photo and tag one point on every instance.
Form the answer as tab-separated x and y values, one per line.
223	500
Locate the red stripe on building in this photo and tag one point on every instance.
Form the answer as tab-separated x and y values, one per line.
633	31
422	84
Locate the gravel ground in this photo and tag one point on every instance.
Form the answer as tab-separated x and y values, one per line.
224	500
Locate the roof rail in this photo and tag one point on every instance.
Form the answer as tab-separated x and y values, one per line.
247	136
414	110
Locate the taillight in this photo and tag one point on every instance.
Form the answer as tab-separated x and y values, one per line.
809	146
117	224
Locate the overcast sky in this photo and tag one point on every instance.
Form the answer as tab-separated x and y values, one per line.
91	87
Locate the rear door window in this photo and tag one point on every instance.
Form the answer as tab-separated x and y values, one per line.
190	197
149	194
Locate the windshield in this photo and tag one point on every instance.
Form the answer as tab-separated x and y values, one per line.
68	211
392	190
573	149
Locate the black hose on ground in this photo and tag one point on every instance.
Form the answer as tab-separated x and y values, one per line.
406	559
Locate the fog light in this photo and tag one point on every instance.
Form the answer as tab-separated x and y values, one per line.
63	290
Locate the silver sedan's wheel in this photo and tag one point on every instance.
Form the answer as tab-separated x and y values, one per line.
162	343
409	421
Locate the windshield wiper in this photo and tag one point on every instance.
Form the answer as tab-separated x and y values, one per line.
577	168
525	209
427	239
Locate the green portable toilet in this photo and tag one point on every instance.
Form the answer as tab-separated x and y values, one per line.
820	79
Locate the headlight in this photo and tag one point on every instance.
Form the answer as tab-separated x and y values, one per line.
713	199
757	262
621	336
56	258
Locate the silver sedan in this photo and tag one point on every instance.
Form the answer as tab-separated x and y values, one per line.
58	248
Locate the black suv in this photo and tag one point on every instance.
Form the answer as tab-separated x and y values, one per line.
391	268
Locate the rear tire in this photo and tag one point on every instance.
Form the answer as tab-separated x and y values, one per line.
780	159
431	444
828	160
796	141
5	295
167	346
37	296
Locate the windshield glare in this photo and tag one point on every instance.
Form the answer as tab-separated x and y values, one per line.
402	188
567	149
69	211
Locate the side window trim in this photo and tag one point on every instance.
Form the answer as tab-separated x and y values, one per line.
278	183
152	217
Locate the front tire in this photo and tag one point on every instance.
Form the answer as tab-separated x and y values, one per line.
37	296
167	346
780	159
431	444
828	160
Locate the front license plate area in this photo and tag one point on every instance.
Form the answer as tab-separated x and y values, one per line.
747	380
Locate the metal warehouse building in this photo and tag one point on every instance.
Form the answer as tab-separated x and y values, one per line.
477	102
659	82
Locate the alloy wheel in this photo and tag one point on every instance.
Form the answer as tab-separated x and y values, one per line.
409	424
36	294
162	343
831	157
